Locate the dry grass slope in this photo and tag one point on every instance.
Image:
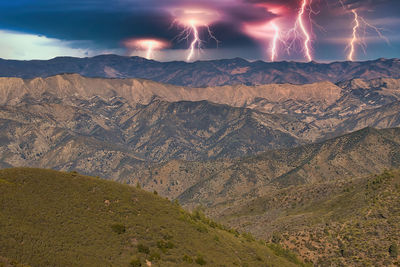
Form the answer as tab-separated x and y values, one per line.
50	218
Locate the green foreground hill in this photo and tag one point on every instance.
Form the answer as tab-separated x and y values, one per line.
50	218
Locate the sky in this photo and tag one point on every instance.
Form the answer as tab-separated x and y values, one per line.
189	30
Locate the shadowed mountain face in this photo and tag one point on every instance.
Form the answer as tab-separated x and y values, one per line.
203	73
107	126
224	183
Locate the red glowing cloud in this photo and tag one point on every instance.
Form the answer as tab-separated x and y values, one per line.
198	17
269	31
148	45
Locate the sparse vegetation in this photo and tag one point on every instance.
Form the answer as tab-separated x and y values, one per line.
51	218
164	245
200	260
143	249
118	228
187	259
352	222
394	250
135	262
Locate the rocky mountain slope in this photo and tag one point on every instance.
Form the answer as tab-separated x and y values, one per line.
351	222
105	127
203	73
319	200
221	184
51	218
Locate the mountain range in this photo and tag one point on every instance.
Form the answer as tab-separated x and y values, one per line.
203	73
222	183
105	126
324	201
297	154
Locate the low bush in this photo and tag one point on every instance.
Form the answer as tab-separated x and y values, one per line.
154	256
118	228
135	262
143	249
187	259
165	245
200	260
394	250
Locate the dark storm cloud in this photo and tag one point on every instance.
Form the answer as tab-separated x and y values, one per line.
245	13
107	23
104	26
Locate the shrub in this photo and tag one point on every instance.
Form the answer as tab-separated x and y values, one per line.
201	228
276	238
135	262
167	236
154	256
187	259
394	250
280	251
143	248
249	237
200	260
118	228
164	245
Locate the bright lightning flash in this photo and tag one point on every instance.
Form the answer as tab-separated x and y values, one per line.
191	20
267	33
300	31
354	39
148	45
196	41
300	23
274	41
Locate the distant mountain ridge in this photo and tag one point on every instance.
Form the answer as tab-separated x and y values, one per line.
106	127
216	183
203	73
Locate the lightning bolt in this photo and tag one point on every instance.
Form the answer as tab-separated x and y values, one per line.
376	29
354	40
358	22
149	50
274	41
196	41
341	3
191	20
300	31
300	22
